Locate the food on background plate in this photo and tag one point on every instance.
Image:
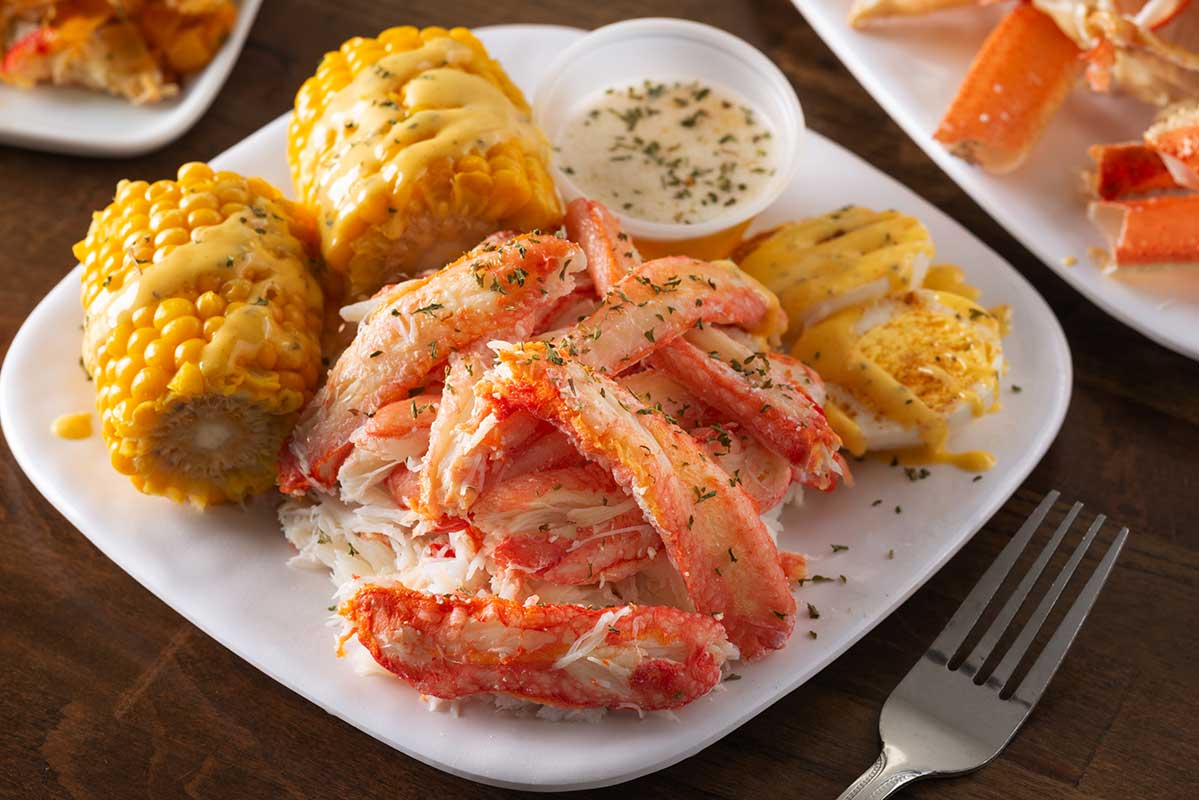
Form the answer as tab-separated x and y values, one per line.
1021	75
666	151
202	322
1146	205
1148	49
863	11
411	147
138	50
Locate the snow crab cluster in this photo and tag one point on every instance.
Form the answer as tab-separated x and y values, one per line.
550	470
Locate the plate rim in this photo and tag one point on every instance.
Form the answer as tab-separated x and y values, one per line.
42	481
950	166
174	120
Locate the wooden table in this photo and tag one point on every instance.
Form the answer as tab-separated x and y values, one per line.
106	692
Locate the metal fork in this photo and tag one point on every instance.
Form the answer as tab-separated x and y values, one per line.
941	721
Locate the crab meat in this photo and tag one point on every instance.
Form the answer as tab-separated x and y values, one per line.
711	530
658	302
768	399
567	526
1017	81
1146	49
750	388
764	474
398	433
1175	137
1126	169
642	657
413	330
610	251
1154	232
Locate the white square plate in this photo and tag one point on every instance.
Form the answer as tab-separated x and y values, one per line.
83	122
225	570
913	67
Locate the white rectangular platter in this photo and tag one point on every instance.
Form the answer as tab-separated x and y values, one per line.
913	67
226	571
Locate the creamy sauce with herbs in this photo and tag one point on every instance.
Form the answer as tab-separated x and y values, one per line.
667	152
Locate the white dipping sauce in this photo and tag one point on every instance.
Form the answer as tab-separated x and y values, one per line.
670	152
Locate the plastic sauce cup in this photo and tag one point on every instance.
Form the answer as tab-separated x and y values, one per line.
663	49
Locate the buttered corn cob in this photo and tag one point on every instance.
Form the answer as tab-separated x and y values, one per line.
412	147
202	330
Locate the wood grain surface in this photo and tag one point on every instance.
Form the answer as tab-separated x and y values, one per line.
106	692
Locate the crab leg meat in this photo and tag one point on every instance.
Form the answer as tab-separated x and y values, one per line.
413	330
397	432
658	302
642	657
765	398
1175	137
711	530
567	526
1018	79
1153	232
763	473
752	390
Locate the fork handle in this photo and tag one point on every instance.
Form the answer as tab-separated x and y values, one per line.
891	770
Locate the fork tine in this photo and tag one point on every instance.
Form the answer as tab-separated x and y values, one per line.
1003	672
964	619
978	656
1051	657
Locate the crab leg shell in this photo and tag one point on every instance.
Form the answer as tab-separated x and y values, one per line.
644	657
1127	168
710	530
1018	79
1153	232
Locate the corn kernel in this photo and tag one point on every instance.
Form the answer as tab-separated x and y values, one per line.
189	352
212	325
188	382
170	309
181	329
149	383
210	304
159	354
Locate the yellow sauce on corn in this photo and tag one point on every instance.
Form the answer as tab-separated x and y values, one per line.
369	156
72	426
248	247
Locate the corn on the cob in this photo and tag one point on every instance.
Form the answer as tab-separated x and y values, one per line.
412	147
202	330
